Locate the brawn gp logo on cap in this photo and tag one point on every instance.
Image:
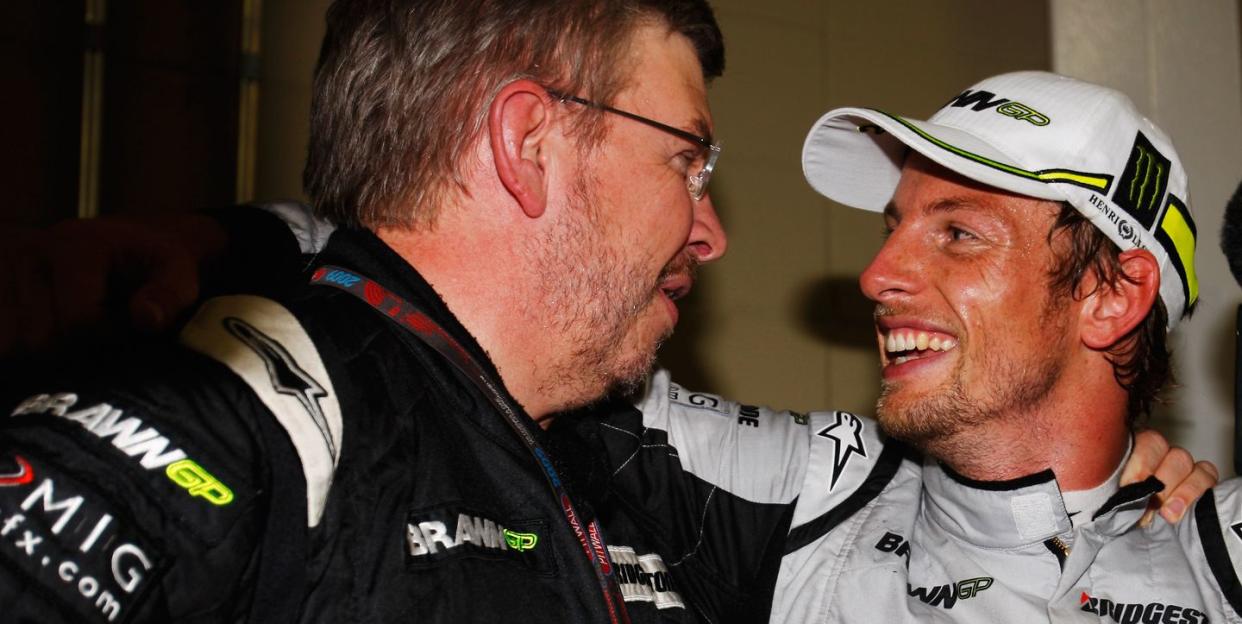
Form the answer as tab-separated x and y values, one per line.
980	100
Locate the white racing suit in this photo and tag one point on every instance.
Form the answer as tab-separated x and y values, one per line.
880	535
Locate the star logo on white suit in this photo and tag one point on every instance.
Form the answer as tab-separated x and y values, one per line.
846	436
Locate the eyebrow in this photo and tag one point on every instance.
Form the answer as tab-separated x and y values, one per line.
944	204
702	129
953	204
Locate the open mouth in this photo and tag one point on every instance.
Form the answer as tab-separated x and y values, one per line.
676	286
903	345
671	289
674	294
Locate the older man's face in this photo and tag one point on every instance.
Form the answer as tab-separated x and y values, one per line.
969	332
632	234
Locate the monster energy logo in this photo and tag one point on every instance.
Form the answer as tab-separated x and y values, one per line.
1149	173
1141	189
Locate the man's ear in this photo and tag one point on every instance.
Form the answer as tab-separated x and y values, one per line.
1113	310
518	121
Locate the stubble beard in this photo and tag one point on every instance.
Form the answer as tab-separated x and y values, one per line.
593	298
946	423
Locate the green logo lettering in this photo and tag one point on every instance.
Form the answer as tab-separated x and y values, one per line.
520	542
194	479
1024	113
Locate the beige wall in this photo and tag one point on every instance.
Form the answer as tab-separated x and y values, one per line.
1181	67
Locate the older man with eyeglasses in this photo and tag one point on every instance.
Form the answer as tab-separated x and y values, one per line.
521	190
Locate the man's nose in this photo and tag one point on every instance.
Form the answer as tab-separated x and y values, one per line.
894	271
708	240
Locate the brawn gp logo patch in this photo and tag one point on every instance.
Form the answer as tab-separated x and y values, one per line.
435	535
132	436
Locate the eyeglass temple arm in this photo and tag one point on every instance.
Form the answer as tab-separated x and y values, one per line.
705	142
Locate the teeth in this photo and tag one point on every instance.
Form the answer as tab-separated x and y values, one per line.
910	340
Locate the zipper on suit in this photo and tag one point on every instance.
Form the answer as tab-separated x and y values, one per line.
1058	548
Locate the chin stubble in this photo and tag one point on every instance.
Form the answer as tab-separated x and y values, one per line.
592	301
941	423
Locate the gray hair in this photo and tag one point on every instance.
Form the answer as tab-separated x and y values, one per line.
402	88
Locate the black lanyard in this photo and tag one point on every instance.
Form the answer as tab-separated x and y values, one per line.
426	329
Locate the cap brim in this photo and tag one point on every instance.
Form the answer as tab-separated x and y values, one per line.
854	156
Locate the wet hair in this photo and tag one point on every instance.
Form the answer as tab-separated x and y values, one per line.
402	88
1141	359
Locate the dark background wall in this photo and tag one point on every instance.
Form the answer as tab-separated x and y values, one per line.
151	89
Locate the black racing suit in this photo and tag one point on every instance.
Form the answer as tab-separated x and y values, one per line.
314	458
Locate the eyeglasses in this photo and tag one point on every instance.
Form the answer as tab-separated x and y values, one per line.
696	182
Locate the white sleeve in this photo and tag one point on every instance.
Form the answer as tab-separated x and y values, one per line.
311	231
756	453
762	454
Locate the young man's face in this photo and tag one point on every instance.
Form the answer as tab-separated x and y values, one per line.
969	332
632	234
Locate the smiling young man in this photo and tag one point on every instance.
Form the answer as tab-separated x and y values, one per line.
1039	248
976	342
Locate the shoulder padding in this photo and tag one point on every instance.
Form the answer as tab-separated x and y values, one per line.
755	453
1218	521
310	231
265	345
850	462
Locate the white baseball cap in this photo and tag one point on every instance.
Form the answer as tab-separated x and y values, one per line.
1036	134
